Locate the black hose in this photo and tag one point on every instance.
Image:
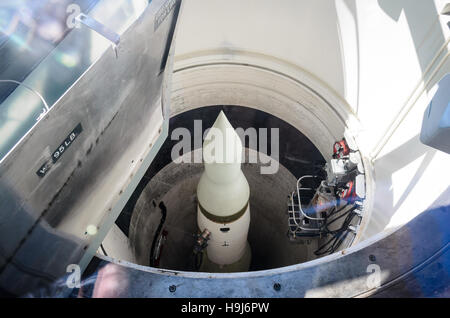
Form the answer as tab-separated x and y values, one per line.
339	235
198	259
103	250
163	209
337	218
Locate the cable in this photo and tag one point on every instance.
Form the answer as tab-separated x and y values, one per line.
339	217
163	209
198	258
339	235
334	211
103	250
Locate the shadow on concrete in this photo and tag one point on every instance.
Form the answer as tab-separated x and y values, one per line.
416	12
386	166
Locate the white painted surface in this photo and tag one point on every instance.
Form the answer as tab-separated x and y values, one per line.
116	245
226	247
297	32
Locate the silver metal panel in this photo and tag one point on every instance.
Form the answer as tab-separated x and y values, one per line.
119	104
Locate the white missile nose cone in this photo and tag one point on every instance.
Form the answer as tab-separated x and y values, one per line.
222	122
223	188
222	143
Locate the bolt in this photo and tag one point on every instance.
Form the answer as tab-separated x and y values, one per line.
277	286
372	258
172	288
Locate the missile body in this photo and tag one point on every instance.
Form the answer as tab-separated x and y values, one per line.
223	201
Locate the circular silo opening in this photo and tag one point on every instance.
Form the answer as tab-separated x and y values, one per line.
308	126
